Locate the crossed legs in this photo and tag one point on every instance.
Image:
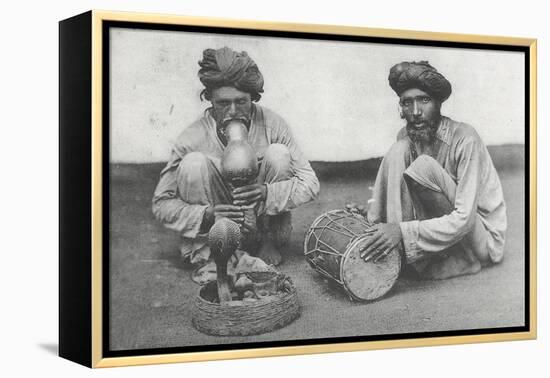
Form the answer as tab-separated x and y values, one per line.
432	191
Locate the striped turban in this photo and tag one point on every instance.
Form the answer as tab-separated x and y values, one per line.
225	67
421	75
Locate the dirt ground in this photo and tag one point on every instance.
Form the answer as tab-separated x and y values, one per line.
151	293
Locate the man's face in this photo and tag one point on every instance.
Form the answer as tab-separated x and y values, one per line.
422	113
229	103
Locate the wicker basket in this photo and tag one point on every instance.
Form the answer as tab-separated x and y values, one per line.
246	318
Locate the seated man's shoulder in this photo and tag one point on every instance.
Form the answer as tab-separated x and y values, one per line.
463	131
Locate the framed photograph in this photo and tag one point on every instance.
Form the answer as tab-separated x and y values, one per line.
234	189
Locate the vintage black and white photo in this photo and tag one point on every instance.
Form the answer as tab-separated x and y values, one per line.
283	189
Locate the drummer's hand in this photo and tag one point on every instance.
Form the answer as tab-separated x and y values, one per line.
358	209
249	194
383	238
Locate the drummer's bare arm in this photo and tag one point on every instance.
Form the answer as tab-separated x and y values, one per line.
384	237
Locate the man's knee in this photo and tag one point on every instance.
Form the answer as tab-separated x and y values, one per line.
199	180
193	166
277	156
432	189
427	172
423	163
421	173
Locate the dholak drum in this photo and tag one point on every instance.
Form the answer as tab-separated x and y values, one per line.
332	246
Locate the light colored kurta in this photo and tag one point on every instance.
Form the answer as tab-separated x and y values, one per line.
266	128
465	158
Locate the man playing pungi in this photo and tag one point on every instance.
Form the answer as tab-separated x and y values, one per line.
437	196
192	194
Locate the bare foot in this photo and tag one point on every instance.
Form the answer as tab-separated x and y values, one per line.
452	266
270	254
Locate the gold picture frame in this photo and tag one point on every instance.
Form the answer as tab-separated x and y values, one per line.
82	230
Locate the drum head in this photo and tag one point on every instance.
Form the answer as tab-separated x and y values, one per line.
369	280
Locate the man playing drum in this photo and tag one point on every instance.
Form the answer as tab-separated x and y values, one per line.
191	192
437	196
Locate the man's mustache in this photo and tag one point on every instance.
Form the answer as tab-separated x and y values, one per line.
242	119
425	122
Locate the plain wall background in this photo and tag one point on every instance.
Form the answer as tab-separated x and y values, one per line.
29	190
334	95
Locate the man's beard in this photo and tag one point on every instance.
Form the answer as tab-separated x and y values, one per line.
426	134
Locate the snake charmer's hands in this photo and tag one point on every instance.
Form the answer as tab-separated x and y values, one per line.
384	237
213	213
249	194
